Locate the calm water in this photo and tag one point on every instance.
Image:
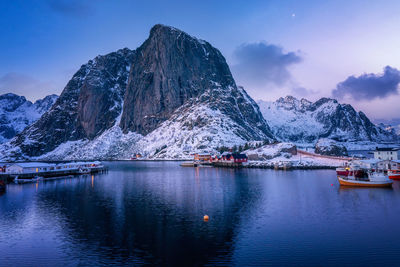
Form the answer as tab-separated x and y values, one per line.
152	213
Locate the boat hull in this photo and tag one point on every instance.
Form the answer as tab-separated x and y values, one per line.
357	183
394	176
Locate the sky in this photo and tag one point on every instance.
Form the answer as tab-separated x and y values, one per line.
348	50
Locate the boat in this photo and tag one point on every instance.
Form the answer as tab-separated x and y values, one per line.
352	169
84	170
394	175
373	179
189	164
35	179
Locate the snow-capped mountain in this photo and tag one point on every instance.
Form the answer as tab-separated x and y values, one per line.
171	96
16	113
302	121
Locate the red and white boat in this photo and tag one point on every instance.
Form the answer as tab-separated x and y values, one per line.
351	170
394	174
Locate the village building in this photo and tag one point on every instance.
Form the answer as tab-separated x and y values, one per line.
376	164
234	158
29	167
202	157
387	153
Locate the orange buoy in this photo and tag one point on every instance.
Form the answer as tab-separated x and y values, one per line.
206	218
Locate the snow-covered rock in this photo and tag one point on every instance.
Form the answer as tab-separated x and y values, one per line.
16	113
301	121
270	151
330	147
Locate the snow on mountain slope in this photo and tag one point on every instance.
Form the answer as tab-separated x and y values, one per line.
302	121
199	125
16	113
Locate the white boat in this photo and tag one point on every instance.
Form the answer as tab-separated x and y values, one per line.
27	180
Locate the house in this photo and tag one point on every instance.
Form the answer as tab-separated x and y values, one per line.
387	153
29	167
389	165
376	164
202	157
234	158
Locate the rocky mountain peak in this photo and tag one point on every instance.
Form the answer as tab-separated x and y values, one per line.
290	102
43	105
305	122
16	113
170	68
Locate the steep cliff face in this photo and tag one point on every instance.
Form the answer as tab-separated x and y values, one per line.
305	122
170	68
16	113
88	105
180	97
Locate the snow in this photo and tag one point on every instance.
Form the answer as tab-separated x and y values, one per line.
304	122
281	154
286	122
17	113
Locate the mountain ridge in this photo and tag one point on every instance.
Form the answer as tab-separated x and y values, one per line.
16	113
303	121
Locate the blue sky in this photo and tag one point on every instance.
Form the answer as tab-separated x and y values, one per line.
275	48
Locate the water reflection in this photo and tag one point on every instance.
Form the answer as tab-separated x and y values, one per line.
152	213
150	216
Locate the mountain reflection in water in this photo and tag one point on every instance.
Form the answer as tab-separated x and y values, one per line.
152	213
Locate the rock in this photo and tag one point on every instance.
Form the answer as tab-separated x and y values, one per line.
271	151
301	121
329	147
88	105
16	113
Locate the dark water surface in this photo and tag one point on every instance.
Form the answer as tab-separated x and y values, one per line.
152	213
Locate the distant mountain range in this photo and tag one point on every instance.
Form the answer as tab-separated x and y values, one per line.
301	121
170	97
16	113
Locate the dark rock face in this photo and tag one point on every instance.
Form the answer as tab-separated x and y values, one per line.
170	68
329	147
88	105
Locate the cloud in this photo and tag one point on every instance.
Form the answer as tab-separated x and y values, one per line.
72	8
303	92
25	85
261	63
369	86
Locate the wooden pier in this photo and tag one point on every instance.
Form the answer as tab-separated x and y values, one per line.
9	177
